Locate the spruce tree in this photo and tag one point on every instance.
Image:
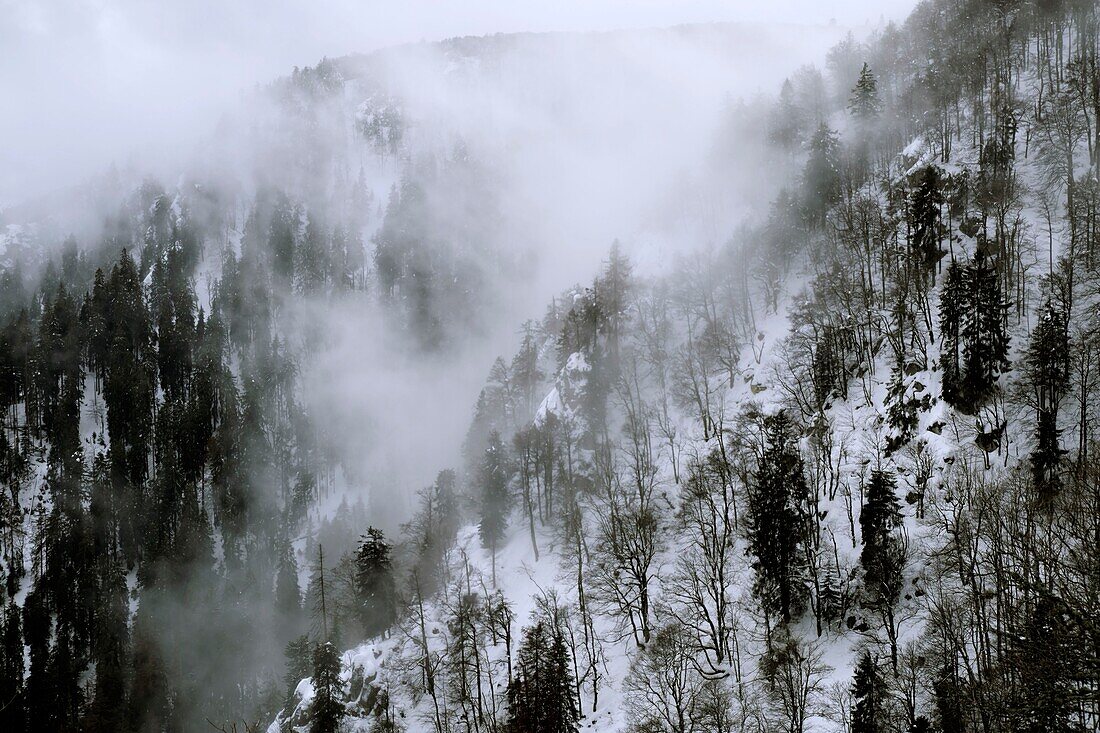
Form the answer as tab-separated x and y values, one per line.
777	499
16	341
150	694
612	292
110	650
985	349
11	670
972	325
952	311
879	557
868	693
93	320
282	236
59	381
821	180
996	181
129	395
785	120
864	102
924	219
492	479
66	666
541	695
313	257
375	582
1047	365
526	375
948	691
174	307
1049	653
288	592
38	688
881	510
298	667
326	709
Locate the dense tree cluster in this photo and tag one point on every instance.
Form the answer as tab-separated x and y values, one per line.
541	697
909	476
921	267
176	466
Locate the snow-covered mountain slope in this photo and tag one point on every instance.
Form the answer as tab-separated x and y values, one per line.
814	450
666	417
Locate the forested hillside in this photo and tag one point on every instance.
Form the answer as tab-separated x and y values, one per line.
834	471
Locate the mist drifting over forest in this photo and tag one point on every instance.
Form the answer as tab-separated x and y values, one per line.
546	367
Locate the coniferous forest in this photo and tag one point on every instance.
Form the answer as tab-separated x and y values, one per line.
835	468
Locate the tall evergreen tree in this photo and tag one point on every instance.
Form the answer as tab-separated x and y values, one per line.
66	666
525	373
925	228
972	324
149	706
952	310
950	701
38	687
612	291
821	183
129	395
495	501
110	650
298	667
881	510
59	380
868	695
313	256
11	669
785	120
326	709
777	498
282	236
542	696
288	592
864	103
985	349
375	582
1049	655
1048	367
174	306
881	514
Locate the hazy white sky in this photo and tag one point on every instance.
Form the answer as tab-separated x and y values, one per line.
85	82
